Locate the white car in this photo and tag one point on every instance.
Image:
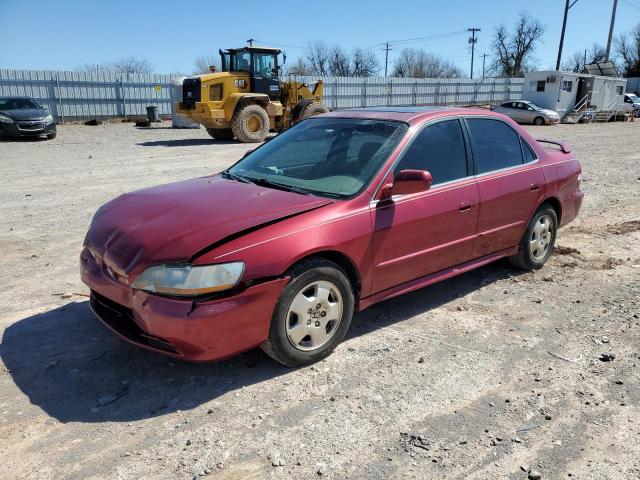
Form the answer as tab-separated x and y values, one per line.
523	111
633	103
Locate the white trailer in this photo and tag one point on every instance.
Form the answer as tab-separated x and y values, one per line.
574	95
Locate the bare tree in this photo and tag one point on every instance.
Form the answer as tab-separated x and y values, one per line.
417	63
339	62
299	67
323	60
126	65
318	58
364	63
628	49
203	64
514	51
576	62
131	65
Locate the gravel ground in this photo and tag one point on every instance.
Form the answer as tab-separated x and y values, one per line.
488	375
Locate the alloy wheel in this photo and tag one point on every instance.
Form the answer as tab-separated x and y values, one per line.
541	236
314	315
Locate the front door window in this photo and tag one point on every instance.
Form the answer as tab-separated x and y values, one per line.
264	65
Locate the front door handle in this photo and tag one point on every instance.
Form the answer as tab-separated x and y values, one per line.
465	207
534	187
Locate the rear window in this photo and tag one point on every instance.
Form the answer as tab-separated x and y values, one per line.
495	145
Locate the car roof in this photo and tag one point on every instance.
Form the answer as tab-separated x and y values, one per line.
406	114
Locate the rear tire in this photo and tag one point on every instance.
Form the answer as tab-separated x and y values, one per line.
312	315
538	121
313	109
538	240
220	133
250	124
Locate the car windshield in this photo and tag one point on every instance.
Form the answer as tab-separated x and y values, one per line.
335	157
634	98
534	106
18	104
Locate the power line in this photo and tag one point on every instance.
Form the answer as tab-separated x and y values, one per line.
631	4
275	44
428	38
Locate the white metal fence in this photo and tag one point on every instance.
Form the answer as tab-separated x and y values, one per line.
78	95
81	95
350	92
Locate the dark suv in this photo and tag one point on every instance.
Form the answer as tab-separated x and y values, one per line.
24	117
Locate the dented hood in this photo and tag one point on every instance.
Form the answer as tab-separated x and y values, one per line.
172	223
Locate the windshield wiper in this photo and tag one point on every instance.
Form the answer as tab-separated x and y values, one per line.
263	182
233	176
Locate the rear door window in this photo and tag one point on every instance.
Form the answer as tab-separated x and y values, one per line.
528	154
439	149
495	145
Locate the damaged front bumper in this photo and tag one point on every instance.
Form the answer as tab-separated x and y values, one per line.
183	328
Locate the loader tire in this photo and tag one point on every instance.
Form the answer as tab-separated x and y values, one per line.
220	133
250	124
311	110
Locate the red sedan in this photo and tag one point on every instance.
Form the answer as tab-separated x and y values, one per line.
337	213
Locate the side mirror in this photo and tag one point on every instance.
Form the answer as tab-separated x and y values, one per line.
408	181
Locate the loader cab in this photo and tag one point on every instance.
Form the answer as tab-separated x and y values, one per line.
260	63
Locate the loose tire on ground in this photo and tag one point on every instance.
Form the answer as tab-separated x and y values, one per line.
538	121
220	133
312	315
250	124
313	109
538	241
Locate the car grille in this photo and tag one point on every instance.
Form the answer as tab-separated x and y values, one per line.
120	319
30	126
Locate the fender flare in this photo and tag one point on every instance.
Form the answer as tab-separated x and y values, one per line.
235	100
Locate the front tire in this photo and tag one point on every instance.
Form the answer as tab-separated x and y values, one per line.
250	124
538	241
538	121
51	136
311	110
312	315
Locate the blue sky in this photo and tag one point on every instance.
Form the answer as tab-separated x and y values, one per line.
67	34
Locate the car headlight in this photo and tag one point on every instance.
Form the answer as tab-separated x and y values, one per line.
189	280
48	119
4	119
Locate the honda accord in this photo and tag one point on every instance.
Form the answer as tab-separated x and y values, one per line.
340	212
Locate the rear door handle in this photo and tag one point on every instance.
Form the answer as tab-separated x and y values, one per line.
534	187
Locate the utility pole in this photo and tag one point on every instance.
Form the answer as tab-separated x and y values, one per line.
567	6
250	42
484	58
613	20
386	57
473	40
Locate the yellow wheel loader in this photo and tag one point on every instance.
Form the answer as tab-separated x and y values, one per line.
247	99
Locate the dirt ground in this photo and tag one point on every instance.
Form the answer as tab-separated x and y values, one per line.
487	375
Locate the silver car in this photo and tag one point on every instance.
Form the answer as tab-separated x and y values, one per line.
527	112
